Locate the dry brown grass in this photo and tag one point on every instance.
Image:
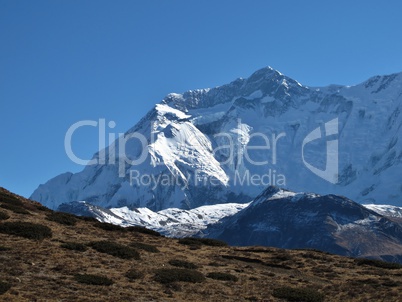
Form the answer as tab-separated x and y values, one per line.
44	271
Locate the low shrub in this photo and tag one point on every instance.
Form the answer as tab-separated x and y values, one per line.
4	248
16	208
93	279
213	242
169	275
88	218
389	283
222	276
62	218
4	287
189	241
74	246
40	207
321	269
314	250
281	257
298	294
368	281
4	216
26	229
9	198
194	247
182	263
109	227
176	287
143	230
314	256
145	247
255	250
241	258
217	264
277	265
202	241
134	274
378	263
115	249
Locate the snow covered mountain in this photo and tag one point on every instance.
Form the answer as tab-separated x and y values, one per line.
171	222
226	144
385	210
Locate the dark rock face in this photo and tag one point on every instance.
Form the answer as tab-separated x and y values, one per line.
329	223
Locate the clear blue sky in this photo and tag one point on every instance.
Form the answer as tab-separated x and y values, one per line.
64	61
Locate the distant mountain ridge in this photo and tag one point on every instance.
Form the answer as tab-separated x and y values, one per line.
187	137
330	223
278	218
171	222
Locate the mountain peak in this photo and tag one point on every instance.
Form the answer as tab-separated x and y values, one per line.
265	73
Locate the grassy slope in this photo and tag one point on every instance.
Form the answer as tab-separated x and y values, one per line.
41	270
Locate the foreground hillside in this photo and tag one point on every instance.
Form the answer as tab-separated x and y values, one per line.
48	256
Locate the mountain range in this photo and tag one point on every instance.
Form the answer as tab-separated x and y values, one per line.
228	143
216	163
276	218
